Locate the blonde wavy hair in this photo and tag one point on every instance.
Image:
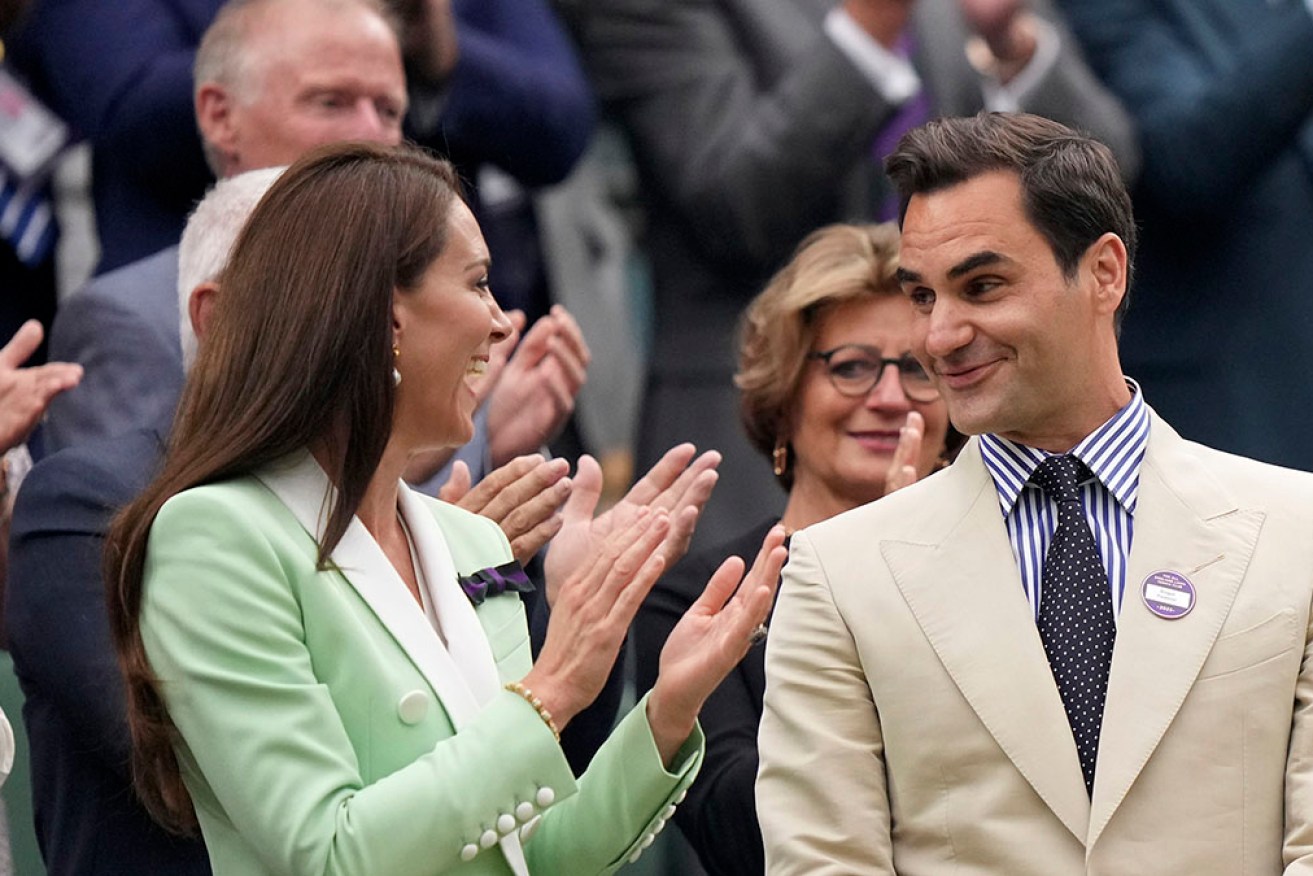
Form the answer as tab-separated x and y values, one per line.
833	265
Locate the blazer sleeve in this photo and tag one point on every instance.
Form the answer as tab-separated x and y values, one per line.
55	603
719	818
263	743
1297	850
1215	102
121	73
821	792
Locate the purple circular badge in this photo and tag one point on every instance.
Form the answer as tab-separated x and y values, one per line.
1167	594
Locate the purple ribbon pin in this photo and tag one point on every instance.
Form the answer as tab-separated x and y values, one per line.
494	581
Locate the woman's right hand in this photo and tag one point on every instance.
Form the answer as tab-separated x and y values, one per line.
592	613
902	468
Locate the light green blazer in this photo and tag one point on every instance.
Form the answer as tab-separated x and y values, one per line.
318	711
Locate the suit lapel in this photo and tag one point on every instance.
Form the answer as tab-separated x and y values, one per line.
303	487
965	592
466	641
1185	522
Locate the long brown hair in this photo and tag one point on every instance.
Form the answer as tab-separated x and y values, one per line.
299	351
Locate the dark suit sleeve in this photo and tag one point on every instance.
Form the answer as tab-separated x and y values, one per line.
1213	112
59	633
131	378
751	161
719	818
518	96
121	74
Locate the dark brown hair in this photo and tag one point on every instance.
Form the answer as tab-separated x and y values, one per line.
299	351
1072	191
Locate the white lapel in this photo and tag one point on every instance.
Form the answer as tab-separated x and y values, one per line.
466	641
304	488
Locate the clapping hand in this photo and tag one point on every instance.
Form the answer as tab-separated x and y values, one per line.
523	497
26	392
710	640
536	394
678	485
593	610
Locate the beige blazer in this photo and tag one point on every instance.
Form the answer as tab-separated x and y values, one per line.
912	724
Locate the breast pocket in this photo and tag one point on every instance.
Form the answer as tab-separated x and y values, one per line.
508	636
1249	647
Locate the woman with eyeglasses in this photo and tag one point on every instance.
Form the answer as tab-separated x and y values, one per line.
832	396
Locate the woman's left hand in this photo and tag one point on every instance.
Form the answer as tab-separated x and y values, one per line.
710	640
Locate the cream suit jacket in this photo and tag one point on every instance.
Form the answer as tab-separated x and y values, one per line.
912	724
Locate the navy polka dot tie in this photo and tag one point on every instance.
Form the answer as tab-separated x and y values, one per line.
1075	611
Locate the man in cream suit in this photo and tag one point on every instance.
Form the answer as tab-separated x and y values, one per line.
1084	647
754	122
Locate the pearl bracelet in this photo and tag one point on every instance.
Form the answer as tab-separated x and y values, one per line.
528	695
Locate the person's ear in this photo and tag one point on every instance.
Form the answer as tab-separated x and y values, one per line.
215	118
200	307
1106	261
399	316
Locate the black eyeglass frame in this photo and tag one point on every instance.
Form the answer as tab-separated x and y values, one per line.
906	365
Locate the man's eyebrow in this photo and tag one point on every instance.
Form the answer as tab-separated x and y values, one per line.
903	275
972	262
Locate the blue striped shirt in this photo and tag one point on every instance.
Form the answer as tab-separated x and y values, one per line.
1113	453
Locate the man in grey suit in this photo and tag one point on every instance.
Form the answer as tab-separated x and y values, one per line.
756	121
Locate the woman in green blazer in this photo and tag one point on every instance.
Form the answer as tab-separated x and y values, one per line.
329	673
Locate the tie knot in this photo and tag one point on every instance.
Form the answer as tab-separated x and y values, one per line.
1060	476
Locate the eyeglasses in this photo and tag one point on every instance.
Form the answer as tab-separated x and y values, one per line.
856	369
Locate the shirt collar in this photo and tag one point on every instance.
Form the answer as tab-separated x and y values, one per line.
1113	452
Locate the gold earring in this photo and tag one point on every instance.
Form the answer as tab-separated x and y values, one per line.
396	354
780	456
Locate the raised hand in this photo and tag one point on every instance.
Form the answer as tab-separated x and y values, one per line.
26	392
592	613
428	38
1008	29
537	390
710	640
883	20
522	497
991	18
902	468
678	484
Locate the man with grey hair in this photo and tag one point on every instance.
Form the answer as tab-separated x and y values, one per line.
273	79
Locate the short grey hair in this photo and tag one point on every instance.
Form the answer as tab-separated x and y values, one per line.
208	239
222	57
